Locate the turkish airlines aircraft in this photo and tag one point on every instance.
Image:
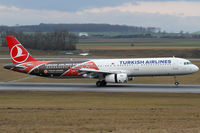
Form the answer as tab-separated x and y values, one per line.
105	70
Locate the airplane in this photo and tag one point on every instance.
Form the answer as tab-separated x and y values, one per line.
105	70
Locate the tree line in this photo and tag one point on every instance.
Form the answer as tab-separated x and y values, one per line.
57	40
79	28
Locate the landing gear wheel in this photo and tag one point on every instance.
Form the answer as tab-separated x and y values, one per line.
176	83
101	83
98	83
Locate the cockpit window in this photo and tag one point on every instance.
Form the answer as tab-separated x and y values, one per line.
187	63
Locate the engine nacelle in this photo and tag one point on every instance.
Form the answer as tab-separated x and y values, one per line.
117	78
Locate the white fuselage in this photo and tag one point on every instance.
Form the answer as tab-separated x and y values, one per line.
147	66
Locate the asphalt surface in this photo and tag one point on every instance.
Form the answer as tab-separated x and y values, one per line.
85	87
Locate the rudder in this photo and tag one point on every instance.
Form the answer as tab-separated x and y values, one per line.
18	53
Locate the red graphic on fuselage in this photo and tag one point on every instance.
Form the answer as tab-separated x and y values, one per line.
89	65
74	72
29	66
71	72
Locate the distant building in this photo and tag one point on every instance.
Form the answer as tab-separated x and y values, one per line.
83	35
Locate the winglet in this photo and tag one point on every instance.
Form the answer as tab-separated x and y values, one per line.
18	53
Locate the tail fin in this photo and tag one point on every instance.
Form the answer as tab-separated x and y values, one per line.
18	53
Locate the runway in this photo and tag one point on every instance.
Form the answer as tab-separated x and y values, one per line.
85	87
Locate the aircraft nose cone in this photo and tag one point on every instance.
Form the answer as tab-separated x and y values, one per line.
196	68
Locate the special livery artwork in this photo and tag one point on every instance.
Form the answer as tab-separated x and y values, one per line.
53	69
62	69
105	70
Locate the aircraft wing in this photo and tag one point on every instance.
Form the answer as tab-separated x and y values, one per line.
86	70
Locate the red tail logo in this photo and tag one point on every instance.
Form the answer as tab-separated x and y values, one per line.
18	53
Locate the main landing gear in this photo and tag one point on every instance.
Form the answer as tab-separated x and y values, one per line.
101	83
176	81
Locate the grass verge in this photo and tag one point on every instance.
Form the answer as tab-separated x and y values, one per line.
59	112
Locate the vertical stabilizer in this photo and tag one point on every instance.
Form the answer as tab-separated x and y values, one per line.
18	53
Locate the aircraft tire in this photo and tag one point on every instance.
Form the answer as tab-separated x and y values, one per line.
98	83
176	83
101	83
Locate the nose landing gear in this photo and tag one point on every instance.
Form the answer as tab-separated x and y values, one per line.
176	81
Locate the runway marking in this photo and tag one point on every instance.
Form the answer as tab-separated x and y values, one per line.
16	80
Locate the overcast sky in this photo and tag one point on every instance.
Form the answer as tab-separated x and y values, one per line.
172	16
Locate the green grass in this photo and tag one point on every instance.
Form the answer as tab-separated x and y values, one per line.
59	112
139	42
198	32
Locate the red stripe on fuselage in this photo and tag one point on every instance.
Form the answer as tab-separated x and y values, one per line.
29	66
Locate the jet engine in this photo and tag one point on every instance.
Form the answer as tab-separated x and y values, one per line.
116	78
